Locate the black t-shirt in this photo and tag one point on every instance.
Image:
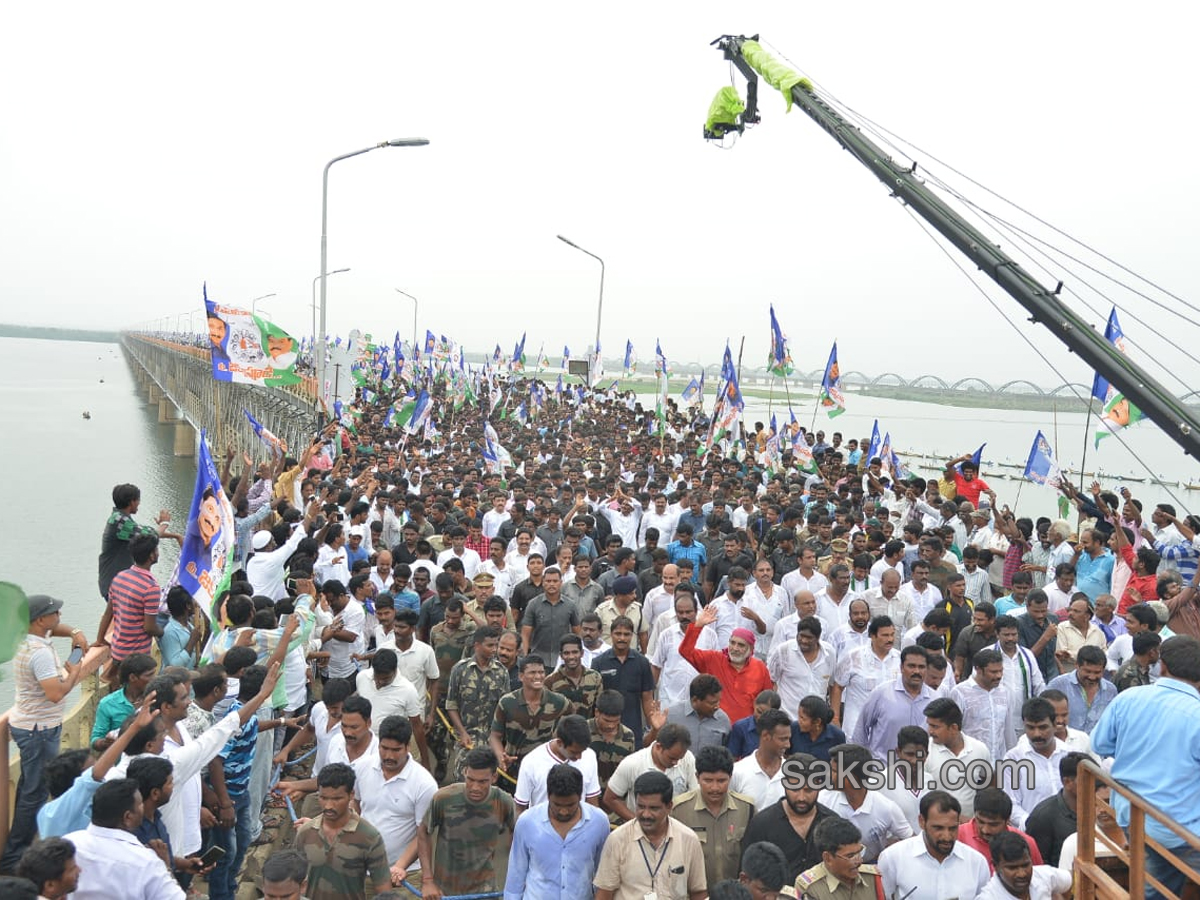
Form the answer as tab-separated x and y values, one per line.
772	825
521	595
1051	823
632	678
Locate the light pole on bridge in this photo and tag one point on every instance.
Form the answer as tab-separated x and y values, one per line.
320	343
415	304
599	306
314	302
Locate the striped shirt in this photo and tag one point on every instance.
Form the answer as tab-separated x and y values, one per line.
35	662
134	594
239	755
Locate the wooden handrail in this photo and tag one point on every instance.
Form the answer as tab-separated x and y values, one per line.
1096	884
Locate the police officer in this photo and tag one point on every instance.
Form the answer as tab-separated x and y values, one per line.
841	874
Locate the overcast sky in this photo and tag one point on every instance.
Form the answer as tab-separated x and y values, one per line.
147	148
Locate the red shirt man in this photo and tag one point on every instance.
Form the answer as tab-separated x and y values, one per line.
742	676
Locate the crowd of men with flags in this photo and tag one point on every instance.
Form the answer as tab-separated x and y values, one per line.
530	629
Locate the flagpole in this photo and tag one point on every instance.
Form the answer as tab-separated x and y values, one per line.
1086	426
771	398
1017	499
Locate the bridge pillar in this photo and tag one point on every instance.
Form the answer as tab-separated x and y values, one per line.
167	414
154	393
185	439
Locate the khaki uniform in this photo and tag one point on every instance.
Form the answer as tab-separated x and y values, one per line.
817	884
721	835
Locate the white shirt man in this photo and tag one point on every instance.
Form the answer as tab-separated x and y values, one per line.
769	609
682	774
845	640
470	560
624	524
331	564
833	611
859	673
502	579
795	677
536	765
899	608
796	580
909	870
1047	882
665	522
973	752
785	630
675	673
396	805
922	600
396	699
1028	790
354	619
879	819
418	666
493	519
728	618
987	715
265	568
113	863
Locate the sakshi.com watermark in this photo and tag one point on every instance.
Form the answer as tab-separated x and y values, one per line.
896	773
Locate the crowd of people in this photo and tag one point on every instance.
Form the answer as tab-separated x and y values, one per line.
613	664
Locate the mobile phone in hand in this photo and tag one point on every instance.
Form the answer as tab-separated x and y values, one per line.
75	657
212	855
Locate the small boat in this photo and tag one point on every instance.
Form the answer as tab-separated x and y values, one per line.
102	381
1191	487
86	414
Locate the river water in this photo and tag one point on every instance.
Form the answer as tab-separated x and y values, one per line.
62	468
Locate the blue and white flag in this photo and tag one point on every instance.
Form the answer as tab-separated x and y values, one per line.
274	444
876	445
630	359
691	393
206	557
1042	468
421	411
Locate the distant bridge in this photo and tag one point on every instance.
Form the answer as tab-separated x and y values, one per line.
931	383
178	379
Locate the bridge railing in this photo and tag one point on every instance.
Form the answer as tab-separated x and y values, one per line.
1093	882
184	375
306	390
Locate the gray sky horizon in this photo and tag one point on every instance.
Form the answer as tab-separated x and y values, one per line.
150	149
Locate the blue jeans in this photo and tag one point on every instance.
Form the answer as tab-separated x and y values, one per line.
36	747
235	841
1171	878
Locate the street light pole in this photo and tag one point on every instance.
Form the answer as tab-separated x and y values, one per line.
600	305
414	300
320	345
254	302
314	304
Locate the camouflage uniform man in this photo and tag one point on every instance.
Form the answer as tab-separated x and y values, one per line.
527	717
612	740
463	842
476	686
841	875
579	685
448	638
340	867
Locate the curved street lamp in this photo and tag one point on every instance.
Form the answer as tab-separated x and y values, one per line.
320	342
415	303
600	305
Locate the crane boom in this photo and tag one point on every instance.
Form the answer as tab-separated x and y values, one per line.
1160	405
